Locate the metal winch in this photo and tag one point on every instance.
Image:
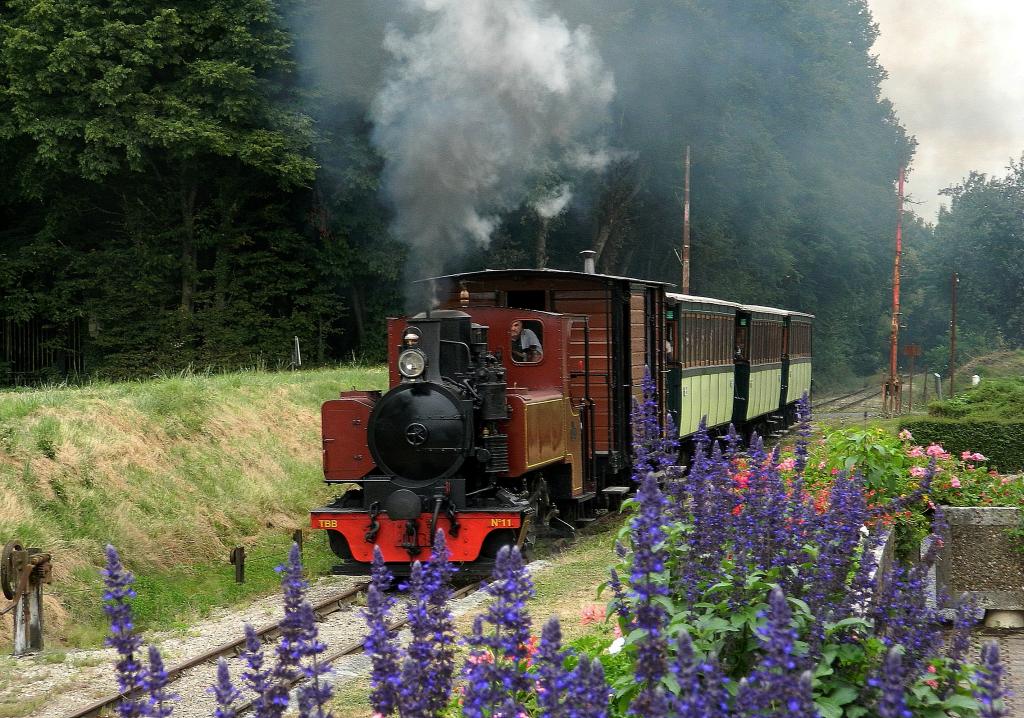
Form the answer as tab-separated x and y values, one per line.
23	571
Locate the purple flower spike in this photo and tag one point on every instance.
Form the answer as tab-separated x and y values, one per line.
496	670
381	645
428	671
155	679
648	581
588	691
256	677
552	678
224	692
892	684
989	693
123	639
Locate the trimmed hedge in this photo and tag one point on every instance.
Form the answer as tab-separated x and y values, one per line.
1001	441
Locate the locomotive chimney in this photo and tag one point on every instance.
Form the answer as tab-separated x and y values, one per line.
588	261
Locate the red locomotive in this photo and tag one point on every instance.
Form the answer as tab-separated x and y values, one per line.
508	409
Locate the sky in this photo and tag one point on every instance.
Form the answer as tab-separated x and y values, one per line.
956	78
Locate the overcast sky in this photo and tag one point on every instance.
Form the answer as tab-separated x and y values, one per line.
956	77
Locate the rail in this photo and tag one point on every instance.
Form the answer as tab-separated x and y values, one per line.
266	633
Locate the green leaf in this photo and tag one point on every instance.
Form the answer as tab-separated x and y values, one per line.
961	702
843	695
828	709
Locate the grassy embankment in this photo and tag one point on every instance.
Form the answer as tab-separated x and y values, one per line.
173	472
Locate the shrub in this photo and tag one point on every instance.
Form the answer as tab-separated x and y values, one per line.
1001	441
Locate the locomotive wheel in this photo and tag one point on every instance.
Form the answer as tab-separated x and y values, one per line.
7	577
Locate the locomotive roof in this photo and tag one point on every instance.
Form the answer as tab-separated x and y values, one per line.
561	273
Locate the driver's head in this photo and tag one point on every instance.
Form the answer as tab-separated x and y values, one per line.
517	328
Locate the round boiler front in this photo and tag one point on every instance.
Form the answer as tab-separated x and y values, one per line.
419	432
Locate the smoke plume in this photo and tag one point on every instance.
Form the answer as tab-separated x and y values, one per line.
482	99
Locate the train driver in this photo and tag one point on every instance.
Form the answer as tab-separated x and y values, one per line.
525	344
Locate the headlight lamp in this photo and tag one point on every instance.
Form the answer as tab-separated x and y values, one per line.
411	363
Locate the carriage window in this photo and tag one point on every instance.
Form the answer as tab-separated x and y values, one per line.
527	336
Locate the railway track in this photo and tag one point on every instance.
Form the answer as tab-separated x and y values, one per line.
851	399
266	633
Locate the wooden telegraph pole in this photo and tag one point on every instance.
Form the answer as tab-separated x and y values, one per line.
893	392
686	225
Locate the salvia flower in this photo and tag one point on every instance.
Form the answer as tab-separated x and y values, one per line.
552	678
160	702
428	669
123	638
381	644
503	682
648	582
989	692
224	692
892	687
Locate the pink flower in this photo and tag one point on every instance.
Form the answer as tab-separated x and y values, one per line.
966	455
915	452
617	632
1005	480
978	457
821	464
835	471
786	464
485	657
937	451
905	435
918	472
592	613
954	482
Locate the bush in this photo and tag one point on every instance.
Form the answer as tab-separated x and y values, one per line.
1001	441
998	399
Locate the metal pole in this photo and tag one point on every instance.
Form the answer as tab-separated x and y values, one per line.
952	334
686	225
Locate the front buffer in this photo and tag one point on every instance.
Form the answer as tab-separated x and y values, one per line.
473	543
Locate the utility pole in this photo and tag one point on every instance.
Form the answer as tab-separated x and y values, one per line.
955	282
686	225
893	391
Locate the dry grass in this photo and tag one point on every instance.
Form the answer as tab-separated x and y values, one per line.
173	471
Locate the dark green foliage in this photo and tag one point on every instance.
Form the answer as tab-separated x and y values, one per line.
162	187
1001	441
979	237
161	171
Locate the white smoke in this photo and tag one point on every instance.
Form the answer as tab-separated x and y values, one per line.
481	98
553	204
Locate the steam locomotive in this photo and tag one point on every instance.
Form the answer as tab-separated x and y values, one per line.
509	405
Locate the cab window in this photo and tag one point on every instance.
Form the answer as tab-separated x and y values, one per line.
526	338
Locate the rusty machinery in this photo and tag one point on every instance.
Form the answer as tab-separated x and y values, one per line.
22	575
